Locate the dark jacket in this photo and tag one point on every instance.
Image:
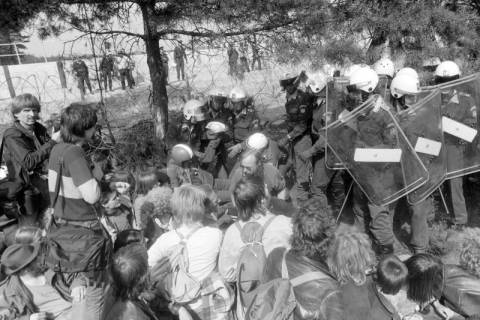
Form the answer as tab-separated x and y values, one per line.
366	303
461	291
317	299
23	155
130	309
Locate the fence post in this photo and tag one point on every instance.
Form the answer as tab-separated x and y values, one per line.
6	71
61	74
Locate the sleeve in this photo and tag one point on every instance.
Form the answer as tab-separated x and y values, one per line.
318	146
23	153
209	154
278	183
158	250
229	254
298	130
82	175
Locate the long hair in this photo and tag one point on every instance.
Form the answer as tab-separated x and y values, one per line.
146	180
188	204
129	271
248	195
350	256
313	229
470	256
425	277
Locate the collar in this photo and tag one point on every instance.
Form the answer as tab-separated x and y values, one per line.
384	301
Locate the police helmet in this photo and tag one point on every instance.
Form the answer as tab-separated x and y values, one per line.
257	141
364	79
181	153
194	109
447	69
384	67
408	71
404	84
237	94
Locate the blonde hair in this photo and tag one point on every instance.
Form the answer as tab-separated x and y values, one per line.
188	204
470	256
350	256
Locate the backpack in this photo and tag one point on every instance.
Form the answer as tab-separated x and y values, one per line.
172	276
251	261
461	291
275	300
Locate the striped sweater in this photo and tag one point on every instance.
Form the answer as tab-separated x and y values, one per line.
78	188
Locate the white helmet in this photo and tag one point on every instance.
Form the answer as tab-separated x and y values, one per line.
447	69
317	81
408	71
216	127
364	78
237	94
350	70
217	93
257	141
384	67
194	109
404	84
181	153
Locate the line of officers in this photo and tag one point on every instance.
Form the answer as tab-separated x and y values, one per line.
224	138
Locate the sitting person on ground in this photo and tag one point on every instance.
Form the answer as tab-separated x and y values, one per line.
391	283
152	203
351	260
27	147
194	245
130	281
251	199
449	289
251	164
312	231
30	291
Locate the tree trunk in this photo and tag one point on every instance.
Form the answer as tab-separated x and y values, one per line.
159	89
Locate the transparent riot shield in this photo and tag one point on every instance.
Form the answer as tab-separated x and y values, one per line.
422	125
336	103
460	101
376	152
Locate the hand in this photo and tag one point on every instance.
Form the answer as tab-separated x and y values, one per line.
444	312
233	151
39	316
56	136
78	293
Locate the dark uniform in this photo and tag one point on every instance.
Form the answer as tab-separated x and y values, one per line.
180	58
80	71
106	66
298	108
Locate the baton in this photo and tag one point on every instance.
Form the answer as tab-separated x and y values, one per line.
344	202
443	200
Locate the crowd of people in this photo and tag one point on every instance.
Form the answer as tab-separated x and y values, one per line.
240	223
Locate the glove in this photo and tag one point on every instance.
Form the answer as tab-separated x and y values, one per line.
234	150
282	143
305	155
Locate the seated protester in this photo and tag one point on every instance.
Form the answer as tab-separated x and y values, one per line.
129	279
127	237
251	164
312	231
182	168
449	289
27	147
250	197
73	201
30	291
152	204
202	244
391	283
351	259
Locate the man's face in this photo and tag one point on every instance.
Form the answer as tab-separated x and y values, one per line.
249	166
238	106
27	117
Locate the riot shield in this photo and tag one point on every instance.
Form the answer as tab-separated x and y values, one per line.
422	124
460	124
376	152
336	100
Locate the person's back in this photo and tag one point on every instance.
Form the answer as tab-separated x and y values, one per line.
178	53
79	68
317	299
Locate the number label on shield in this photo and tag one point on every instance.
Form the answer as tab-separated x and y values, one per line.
458	129
428	146
377	155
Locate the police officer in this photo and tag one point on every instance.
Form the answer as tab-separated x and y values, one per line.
245	122
213	157
404	89
217	110
80	71
181	168
299	108
385	70
454	103
323	177
192	129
